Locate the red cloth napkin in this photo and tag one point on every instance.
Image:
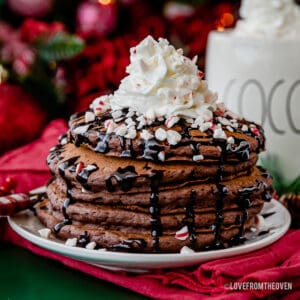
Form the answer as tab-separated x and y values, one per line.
277	263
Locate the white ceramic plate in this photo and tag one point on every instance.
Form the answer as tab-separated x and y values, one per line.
27	226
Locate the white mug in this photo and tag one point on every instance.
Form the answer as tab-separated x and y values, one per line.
260	80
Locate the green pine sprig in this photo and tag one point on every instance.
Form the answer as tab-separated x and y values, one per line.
271	163
61	46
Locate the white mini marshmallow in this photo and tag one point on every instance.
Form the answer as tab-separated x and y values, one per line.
91	246
204	126
230	140
219	134
121	130
160	134
245	128
198	157
71	242
117	114
173	137
229	128
45	233
186	250
146	135
224	121
131	134
81	129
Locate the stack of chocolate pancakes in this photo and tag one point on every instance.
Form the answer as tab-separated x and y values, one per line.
169	186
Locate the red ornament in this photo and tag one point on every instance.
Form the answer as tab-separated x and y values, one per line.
31	8
21	118
95	19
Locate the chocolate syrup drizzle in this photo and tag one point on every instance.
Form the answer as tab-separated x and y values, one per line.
154	209
190	219
82	177
221	194
126	177
129	245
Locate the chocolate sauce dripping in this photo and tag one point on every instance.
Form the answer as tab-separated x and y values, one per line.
125	178
244	204
130	245
83	240
54	154
84	175
62	169
151	150
221	194
102	145
127	148
66	164
190	219
242	150
154	209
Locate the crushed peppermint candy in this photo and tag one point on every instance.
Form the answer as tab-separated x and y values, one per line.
261	224
71	242
91	246
171	121
89	117
186	250
219	134
101	104
255	130
182	234
110	126
173	137
45	233
146	135
161	155
79	167
161	134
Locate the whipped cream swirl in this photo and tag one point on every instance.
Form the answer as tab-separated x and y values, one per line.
161	82
269	18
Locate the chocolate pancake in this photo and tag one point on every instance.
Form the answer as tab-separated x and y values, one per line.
158	165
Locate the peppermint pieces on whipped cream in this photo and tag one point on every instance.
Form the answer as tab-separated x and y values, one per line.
161	82
162	86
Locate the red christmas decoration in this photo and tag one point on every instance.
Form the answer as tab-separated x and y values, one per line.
95	19
22	119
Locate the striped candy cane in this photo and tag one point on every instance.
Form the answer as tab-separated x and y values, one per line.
13	203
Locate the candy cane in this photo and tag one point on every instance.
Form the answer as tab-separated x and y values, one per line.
12	203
